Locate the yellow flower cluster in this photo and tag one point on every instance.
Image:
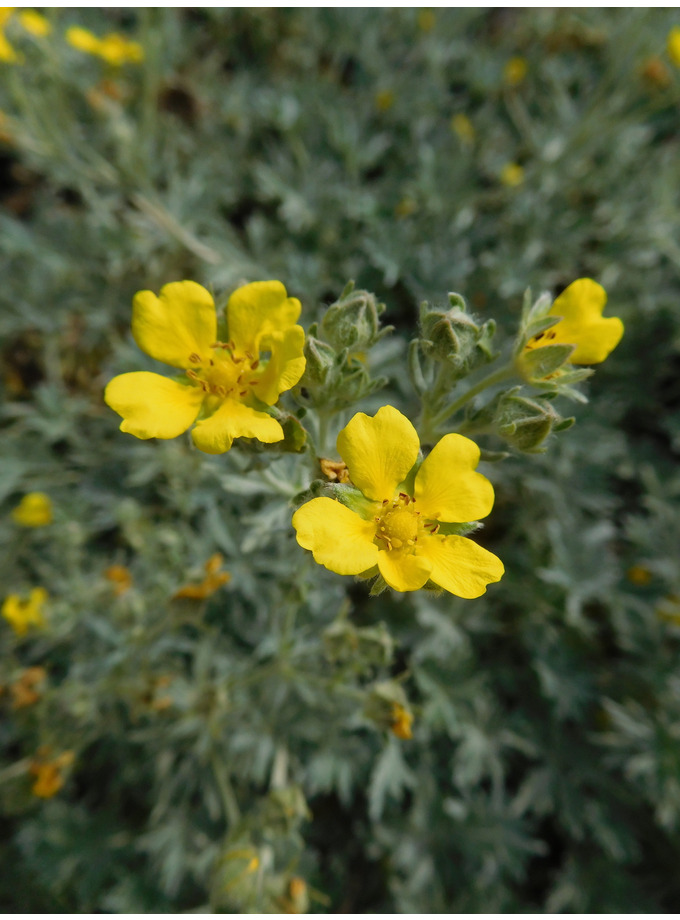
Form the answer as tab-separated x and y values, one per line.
49	774
31	21
34	510
113	48
25	613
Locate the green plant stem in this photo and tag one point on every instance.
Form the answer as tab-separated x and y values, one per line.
500	376
231	810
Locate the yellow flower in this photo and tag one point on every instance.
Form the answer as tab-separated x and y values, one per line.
27	690
7	52
34	510
580	307
673	45
515	71
397	533
384	100
35	23
401	722
113	48
512	175
120	577
463	127
23	614
226	384
426	20
49	776
214	579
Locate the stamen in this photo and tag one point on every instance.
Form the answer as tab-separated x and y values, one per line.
254	366
192	375
243	393
194	358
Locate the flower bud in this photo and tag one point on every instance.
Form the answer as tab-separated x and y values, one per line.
353	321
454	337
388	707
524	423
365	646
320	359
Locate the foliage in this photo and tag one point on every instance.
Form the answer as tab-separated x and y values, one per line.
175	740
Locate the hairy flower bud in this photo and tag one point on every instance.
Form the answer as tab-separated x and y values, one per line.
353	321
452	336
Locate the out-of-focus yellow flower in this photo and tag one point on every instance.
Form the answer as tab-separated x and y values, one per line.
120	578
655	72
296	900
35	23
28	689
214	579
24	614
639	575
426	20
113	48
515	71
226	385
580	307
395	530
406	207
673	45
7	53
384	100
512	175
463	127
50	774
402	720
34	510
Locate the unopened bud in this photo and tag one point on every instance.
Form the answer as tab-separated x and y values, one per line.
388	707
353	321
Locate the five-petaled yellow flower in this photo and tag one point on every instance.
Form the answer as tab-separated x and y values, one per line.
227	384
22	614
580	307
397	533
34	510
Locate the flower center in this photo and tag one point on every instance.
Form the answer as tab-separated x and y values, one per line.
226	373
399	527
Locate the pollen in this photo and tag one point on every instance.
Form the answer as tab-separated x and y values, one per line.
399	527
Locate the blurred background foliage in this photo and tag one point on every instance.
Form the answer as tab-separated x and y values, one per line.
165	749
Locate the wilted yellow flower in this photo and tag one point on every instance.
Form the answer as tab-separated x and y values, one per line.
463	127
384	100
23	614
27	690
515	70
35	23
512	175
226	385
34	510
120	577
580	307
401	722
214	579
49	774
426	20
673	45
113	48
396	531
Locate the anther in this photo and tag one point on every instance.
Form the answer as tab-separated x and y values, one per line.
254	366
192	375
243	393
194	358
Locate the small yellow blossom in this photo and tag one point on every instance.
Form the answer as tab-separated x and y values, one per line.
396	532
7	53
512	175
34	510
401	722
463	127
297	899
120	577
515	71
580	307
23	614
35	23
28	689
226	385
214	579
113	48
49	774
384	100
639	575
426	20
673	45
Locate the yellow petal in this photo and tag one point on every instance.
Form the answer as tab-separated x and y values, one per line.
82	39
339	539
582	324
285	367
378	451
233	419
153	406
35	23
404	571
181	322
447	487
460	565
7	53
258	310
